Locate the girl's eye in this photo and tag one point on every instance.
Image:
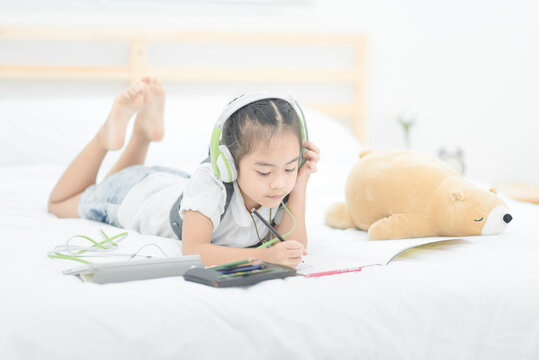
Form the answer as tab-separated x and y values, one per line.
478	220
290	170
263	173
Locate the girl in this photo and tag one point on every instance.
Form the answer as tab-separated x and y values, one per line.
265	140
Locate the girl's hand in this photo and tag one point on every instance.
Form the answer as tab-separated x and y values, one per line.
311	156
287	253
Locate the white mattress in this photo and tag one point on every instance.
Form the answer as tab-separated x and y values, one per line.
475	299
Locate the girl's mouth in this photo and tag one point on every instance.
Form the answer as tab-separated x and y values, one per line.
275	197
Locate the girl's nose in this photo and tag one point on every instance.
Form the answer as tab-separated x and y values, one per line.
277	183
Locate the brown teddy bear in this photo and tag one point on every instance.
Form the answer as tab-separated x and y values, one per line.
404	194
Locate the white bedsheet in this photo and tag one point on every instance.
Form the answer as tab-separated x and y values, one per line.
477	299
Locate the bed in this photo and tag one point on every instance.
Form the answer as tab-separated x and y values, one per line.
473	299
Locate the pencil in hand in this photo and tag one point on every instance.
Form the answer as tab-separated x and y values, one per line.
271	228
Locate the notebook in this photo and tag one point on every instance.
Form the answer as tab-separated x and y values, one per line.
325	259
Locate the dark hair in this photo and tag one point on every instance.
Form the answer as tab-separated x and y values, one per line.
256	123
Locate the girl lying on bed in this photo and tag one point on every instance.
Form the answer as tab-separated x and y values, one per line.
211	210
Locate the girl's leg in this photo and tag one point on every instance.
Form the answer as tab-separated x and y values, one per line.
82	172
148	126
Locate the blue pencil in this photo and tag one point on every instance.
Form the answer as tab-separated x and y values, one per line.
241	269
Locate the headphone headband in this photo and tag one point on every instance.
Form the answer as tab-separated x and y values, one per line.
221	159
247	99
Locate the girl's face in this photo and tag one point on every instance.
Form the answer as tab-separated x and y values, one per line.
268	173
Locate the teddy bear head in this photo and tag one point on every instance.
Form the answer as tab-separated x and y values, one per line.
461	208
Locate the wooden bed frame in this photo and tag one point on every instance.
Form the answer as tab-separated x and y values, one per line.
139	39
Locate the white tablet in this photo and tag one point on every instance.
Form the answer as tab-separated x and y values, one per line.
135	269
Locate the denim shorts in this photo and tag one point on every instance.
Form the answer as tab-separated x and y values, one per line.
101	202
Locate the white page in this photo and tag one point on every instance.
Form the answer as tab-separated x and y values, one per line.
359	253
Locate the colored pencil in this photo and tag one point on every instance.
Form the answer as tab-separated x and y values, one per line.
232	264
333	272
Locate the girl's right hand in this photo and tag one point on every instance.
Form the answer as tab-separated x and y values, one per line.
287	253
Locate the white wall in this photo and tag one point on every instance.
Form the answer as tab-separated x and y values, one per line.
467	69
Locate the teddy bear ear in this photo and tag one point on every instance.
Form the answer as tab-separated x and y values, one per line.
493	190
457	195
364	152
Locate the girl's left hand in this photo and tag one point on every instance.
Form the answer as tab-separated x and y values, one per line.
311	156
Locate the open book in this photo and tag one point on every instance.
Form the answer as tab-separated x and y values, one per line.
326	259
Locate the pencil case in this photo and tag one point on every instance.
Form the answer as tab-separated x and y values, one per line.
216	278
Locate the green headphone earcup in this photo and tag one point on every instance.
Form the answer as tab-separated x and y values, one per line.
226	165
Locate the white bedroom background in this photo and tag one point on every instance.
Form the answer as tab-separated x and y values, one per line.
465	70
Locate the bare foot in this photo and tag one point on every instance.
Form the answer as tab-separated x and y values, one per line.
112	134
149	121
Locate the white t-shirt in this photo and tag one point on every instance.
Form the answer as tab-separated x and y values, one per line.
146	207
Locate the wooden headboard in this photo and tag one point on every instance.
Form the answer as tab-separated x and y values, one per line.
139	40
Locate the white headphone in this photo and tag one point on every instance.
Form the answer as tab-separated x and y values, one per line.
221	158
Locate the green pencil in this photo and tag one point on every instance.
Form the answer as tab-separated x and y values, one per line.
232	264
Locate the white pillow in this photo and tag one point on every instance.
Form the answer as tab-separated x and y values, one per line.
338	146
189	124
339	151
54	130
41	130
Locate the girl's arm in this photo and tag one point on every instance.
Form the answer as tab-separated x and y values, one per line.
296	199
196	234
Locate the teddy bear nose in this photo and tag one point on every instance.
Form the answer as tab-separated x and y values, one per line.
507	218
